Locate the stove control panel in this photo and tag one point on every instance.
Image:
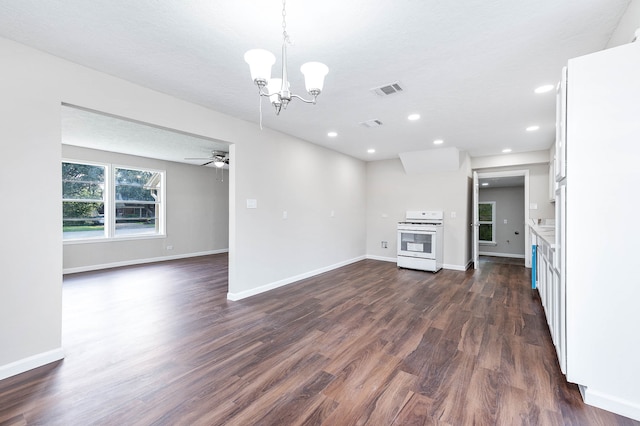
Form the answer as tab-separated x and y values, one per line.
424	215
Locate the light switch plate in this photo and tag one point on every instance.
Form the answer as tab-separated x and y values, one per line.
252	203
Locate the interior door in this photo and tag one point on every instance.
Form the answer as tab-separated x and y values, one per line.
476	221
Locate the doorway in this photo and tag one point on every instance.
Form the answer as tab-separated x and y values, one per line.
500	212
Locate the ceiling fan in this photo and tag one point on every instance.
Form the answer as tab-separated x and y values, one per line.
218	158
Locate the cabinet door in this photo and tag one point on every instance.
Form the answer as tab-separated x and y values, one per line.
553	304
561	128
542	279
552	181
560	333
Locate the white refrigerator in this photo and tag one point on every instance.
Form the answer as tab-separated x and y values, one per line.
600	196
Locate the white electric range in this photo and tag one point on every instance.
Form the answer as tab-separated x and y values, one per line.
420	240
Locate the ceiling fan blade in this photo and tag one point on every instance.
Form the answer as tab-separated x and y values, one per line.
215	156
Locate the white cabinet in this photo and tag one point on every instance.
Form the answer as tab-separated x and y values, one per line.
560	158
552	180
560	274
550	289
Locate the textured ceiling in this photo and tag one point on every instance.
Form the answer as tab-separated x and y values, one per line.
100	131
468	67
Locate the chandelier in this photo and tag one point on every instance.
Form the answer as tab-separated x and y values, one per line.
277	89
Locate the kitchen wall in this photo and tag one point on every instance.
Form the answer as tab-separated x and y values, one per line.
197	216
266	250
391	192
510	207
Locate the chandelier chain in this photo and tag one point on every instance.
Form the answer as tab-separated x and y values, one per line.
284	21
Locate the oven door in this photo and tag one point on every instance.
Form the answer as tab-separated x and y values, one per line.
417	243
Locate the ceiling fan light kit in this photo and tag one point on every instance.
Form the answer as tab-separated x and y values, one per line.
219	159
277	89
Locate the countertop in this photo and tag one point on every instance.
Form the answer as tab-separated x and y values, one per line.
545	232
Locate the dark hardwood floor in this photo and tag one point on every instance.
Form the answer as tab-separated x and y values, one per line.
500	259
368	343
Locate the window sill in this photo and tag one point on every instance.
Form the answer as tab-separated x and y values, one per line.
488	243
113	239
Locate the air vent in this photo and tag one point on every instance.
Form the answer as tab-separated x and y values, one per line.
371	123
388	89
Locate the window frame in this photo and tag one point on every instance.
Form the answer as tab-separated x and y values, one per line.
492	222
105	196
160	206
109	196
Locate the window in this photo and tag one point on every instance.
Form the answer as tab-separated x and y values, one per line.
487	220
105	201
136	202
83	200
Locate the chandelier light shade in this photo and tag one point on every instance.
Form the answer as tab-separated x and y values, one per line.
260	62
277	89
314	73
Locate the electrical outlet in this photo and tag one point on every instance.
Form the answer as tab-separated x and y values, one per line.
383	244
169	247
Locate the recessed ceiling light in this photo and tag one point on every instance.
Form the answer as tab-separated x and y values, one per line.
332	134
506	150
485	183
532	128
438	142
544	89
371	150
414	117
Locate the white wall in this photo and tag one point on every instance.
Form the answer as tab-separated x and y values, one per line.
34	85
391	192
511	160
510	207
197	216
308	183
31	261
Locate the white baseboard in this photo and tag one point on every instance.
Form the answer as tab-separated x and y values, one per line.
286	281
382	258
26	364
458	267
611	403
491	253
140	261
